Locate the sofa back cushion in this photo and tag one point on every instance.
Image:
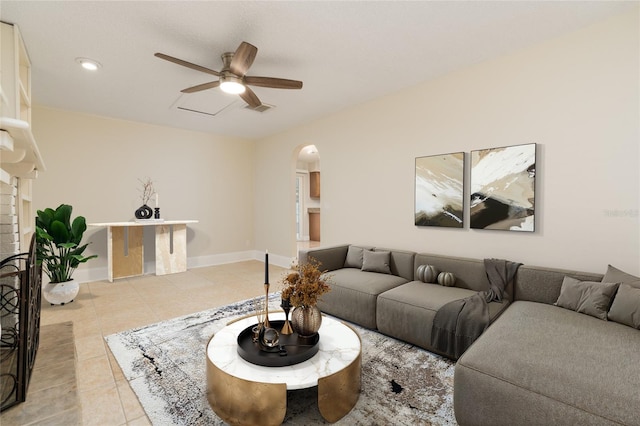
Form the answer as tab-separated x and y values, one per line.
469	273
400	262
355	256
330	258
537	284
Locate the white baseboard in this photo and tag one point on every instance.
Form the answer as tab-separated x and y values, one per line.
87	274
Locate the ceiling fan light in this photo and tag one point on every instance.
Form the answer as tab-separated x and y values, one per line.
232	85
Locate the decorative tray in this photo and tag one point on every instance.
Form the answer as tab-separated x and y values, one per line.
291	348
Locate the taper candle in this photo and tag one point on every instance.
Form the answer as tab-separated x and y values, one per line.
266	267
157	202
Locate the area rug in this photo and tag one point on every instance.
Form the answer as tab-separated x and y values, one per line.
165	366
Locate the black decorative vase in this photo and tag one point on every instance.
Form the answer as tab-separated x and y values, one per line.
144	212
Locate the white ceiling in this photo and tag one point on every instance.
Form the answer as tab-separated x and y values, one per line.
345	52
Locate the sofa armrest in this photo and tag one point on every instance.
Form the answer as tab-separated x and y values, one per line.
330	258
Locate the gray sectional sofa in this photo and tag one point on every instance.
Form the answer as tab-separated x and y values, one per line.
537	364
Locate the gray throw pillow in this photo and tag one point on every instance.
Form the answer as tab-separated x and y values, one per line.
626	306
586	297
354	257
615	275
376	261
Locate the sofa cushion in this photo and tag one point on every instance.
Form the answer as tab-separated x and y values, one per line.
586	297
376	261
330	258
626	306
401	262
540	364
354	293
538	284
354	257
615	275
406	312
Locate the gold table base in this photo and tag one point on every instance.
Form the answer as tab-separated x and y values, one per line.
244	402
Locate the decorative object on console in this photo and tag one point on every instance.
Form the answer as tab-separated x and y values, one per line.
303	287
439	189
427	273
144	211
59	251
446	279
503	188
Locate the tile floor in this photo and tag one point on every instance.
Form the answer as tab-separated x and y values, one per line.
97	393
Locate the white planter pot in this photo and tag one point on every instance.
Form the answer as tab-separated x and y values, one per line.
60	293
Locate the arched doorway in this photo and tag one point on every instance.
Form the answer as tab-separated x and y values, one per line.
307	197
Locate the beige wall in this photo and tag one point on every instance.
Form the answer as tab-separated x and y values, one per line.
576	96
94	163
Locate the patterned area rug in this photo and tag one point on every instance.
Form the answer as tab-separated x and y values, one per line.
165	366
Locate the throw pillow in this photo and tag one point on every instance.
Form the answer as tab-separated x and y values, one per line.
615	275
354	257
376	261
626	306
446	279
586	297
427	273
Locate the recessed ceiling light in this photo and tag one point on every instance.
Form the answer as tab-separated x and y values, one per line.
89	64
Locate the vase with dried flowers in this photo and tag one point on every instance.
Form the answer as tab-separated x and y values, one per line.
303	287
145	212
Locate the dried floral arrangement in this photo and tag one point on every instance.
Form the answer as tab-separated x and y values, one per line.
147	190
306	284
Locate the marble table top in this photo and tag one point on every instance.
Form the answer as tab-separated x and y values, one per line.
145	223
339	347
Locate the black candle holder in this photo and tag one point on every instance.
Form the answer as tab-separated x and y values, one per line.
157	213
285	304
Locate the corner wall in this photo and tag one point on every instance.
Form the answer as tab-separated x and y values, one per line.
576	96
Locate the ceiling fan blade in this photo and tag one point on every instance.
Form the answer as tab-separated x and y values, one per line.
243	58
275	83
186	64
201	87
250	97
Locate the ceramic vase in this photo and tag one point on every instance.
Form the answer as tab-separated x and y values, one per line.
306	320
60	293
144	212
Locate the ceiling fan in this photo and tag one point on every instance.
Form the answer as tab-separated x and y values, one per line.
233	78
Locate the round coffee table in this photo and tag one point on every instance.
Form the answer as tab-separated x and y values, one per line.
243	393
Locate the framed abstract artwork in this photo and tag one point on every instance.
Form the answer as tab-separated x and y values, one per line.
440	190
503	188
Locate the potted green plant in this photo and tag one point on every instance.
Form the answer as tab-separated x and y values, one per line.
59	251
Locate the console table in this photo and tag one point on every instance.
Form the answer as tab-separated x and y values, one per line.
125	248
241	393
